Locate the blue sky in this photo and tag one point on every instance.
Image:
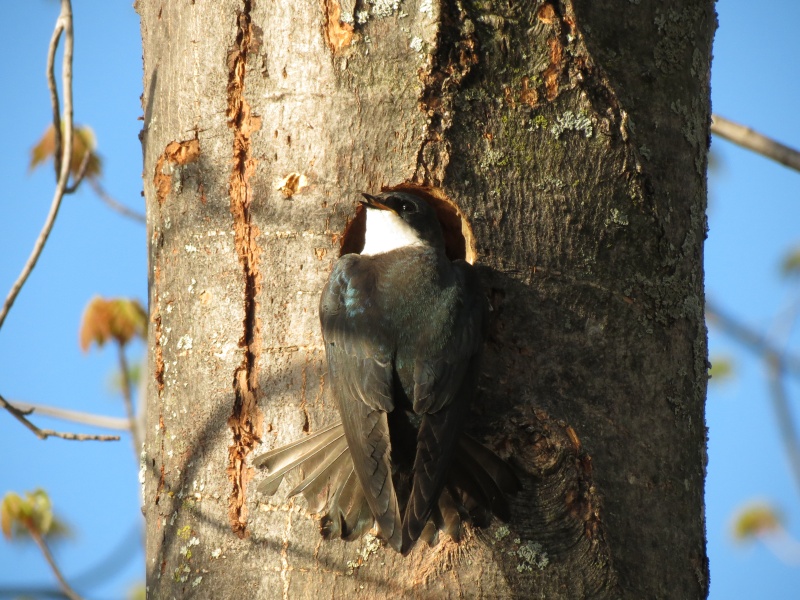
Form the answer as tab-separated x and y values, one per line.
754	219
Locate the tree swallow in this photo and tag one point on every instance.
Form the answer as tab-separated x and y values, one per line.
403	328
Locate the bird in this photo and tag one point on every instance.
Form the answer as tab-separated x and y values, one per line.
403	330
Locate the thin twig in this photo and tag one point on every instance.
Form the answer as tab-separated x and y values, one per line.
53	87
20	416
78	177
43	434
783	546
113	559
114	204
757	142
778	364
64	23
785	322
65	587
77	437
751	339
26	408
780	402
127	396
30	591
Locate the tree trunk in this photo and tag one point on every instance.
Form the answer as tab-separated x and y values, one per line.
571	136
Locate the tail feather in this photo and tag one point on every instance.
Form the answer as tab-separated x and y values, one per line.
335	460
437	440
484	476
450	514
358	519
476	486
430	534
494	466
279	455
332	520
348	515
343	495
281	460
471	492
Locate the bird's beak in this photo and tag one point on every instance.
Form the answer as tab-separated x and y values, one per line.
372	202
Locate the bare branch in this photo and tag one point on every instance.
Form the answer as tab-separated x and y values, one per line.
751	339
20	416
76	180
37	537
78	437
127	397
114	204
783	546
780	402
779	363
53	87
75	416
43	434
62	159
752	140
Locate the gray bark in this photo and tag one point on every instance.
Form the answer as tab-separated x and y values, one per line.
572	137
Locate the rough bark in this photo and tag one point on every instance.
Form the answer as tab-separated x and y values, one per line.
572	136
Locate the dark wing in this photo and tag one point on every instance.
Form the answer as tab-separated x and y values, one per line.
443	388
360	369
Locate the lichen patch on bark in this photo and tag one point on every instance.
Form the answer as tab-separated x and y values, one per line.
246	418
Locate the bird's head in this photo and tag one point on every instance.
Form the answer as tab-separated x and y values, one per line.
399	219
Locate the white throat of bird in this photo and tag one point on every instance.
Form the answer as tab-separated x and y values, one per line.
386	231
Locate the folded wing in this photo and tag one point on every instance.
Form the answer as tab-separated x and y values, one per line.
444	384
360	368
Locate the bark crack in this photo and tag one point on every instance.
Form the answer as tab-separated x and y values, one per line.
338	34
159	376
159	355
453	58
571	65
246	418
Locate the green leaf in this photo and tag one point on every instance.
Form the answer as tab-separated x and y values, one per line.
722	369
715	163
9	511
790	266
137	592
756	520
32	513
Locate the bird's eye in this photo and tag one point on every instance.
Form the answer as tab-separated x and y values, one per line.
406	206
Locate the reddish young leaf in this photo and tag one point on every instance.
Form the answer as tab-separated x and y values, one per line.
128	320
96	324
83	141
119	319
